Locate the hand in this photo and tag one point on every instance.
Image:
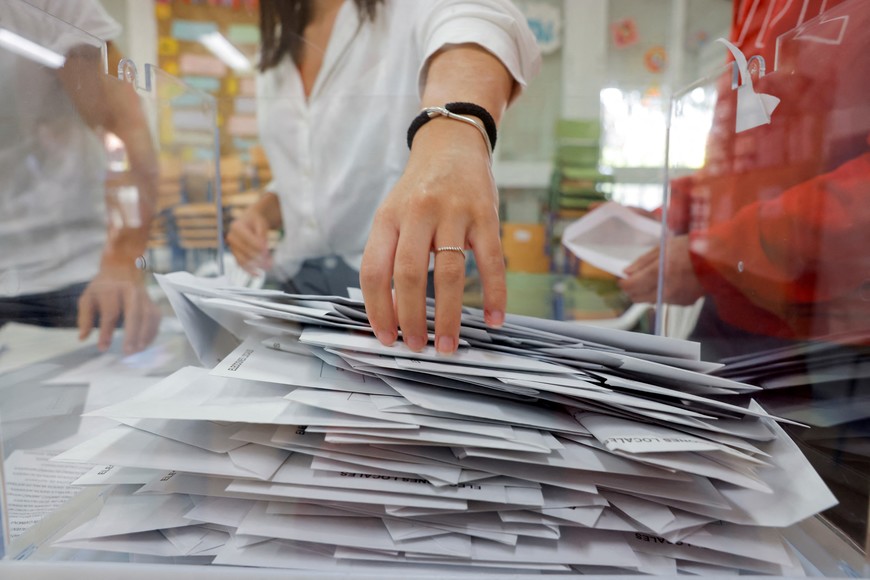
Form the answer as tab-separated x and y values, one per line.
682	286
119	290
248	239
446	197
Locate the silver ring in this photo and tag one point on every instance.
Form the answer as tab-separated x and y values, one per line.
450	249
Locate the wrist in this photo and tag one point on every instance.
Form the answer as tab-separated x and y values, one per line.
461	113
443	137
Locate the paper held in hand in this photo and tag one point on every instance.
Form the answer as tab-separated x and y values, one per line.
612	237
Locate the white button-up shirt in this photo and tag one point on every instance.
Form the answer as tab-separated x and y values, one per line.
336	155
52	165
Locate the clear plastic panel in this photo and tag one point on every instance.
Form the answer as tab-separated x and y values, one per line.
771	235
107	177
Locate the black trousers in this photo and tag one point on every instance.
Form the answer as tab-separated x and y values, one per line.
331	276
53	309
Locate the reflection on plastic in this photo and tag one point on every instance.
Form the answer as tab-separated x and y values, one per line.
753	109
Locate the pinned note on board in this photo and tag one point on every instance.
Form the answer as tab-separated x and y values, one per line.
753	109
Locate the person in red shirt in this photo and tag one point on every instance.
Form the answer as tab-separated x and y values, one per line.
772	230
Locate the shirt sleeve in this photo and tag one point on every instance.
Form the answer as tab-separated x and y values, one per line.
88	15
495	25
797	249
60	25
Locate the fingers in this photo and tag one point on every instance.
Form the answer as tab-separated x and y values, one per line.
375	277
449	289
648	259
105	305
147	316
410	276
490	263
248	239
86	314
642	285
109	308
641	278
141	319
133	319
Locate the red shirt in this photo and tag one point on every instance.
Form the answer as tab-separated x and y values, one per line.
780	214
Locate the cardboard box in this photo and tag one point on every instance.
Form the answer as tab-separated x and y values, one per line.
525	247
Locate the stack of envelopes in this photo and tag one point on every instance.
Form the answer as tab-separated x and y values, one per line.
538	446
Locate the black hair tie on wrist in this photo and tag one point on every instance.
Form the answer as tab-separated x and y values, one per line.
457	109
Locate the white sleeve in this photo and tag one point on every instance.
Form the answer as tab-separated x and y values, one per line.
88	15
495	25
58	24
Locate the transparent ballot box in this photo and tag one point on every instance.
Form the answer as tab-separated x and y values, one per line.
107	177
765	260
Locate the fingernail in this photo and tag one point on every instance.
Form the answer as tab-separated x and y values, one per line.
494	318
386	338
415	343
445	344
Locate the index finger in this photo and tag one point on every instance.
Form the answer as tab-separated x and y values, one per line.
86	315
133	327
644	261
109	312
376	274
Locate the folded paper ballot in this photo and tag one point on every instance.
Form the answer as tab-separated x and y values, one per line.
309	445
612	237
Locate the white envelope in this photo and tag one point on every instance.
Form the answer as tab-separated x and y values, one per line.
196	540
275	491
766	544
472	357
651	544
116	475
610	398
786	505
209	435
447	430
298	470
652	516
474	405
174	482
633	437
369	456
210	341
438	475
220	510
614	338
151	543
440	437
575	546
129	447
578	457
316	419
192	394
369	533
585	516
273	554
438	567
254	361
612	237
130	514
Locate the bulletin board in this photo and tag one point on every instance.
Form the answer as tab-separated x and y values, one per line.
181	24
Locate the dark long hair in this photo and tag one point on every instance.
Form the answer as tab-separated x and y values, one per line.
282	23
